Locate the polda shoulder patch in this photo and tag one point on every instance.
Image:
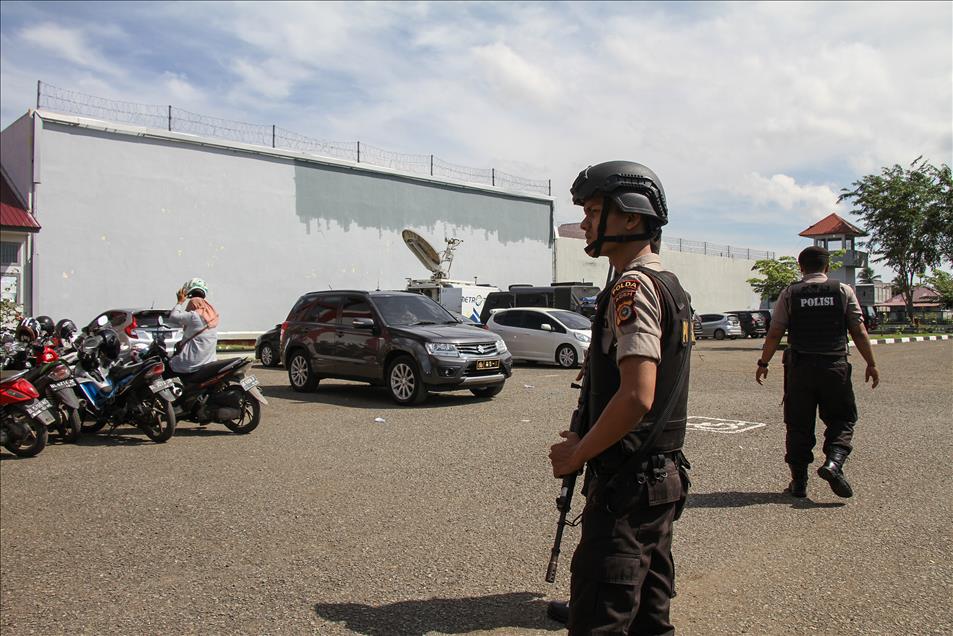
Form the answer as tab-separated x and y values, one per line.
623	296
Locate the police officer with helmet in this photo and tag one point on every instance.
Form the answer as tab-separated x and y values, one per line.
817	314
637	380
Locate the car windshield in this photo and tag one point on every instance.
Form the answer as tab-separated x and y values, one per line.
152	318
572	320
403	311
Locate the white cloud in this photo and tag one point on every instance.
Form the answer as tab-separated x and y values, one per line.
513	76
812	202
68	44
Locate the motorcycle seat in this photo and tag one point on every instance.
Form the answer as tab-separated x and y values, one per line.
210	370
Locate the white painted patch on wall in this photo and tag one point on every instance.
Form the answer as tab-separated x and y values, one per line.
716	425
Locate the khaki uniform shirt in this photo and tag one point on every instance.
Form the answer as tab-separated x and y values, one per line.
634	317
782	310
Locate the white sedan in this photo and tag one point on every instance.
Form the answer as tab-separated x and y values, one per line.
543	334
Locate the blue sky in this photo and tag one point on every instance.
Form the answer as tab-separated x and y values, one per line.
754	115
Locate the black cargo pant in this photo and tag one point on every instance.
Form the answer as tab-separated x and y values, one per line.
623	573
815	383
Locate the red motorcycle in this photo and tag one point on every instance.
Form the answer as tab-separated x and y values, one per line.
23	417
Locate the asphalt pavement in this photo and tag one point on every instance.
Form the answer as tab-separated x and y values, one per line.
346	514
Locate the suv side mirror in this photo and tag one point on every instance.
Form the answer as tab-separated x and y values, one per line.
363	323
546	327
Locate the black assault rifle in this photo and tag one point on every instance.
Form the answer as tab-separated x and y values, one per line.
564	500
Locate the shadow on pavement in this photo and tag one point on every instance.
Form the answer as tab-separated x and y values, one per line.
362	396
442	615
733	499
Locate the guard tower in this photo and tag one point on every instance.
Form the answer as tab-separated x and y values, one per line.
834	233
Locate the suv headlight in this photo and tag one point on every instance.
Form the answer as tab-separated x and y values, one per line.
582	337
443	349
501	346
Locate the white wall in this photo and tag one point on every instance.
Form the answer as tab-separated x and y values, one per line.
716	283
126	220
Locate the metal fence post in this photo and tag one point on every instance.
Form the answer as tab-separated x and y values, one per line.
170	117
493	176
273	135
549	188
705	247
431	165
37	93
359	152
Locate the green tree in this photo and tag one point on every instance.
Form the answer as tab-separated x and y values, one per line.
909	215
778	273
942	283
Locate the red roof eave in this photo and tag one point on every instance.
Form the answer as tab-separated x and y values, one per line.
832	225
14	218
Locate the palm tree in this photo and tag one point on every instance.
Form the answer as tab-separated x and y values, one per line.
867	276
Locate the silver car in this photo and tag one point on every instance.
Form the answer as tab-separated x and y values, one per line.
139	327
721	326
542	334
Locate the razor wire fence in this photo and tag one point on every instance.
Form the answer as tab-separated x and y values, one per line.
180	120
714	249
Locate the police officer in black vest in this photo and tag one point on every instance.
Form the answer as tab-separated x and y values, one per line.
637	376
817	314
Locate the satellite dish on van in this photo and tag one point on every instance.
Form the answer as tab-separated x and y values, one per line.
423	250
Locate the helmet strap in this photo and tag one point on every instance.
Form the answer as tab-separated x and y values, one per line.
594	249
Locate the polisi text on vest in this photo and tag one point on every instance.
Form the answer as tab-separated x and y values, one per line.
823	301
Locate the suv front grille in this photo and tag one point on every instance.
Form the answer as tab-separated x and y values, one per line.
478	349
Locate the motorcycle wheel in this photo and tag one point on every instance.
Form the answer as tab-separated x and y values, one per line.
35	443
159	423
251	416
69	423
91	427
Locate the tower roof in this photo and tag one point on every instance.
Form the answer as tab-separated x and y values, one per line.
833	225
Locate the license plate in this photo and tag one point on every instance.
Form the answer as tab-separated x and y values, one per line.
40	406
487	364
63	384
248	382
160	385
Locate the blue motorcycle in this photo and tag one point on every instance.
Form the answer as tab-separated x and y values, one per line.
117	393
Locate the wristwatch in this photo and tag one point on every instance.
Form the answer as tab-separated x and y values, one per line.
762	364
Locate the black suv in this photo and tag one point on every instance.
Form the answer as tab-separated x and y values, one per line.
403	341
752	323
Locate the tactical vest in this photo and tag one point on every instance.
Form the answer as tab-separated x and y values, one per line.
817	319
604	379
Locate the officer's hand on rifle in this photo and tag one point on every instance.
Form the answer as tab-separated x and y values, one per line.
560	455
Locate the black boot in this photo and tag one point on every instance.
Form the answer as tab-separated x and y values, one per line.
798	486
558	611
833	473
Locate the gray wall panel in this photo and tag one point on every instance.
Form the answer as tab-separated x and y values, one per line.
126	220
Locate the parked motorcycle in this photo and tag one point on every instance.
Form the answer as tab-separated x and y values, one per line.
50	376
218	392
116	393
23	417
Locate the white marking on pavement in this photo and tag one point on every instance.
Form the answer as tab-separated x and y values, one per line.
717	425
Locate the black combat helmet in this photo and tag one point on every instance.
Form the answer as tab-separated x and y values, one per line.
632	187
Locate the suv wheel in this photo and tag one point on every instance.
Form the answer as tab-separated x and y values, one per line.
566	356
300	374
404	381
268	356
